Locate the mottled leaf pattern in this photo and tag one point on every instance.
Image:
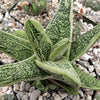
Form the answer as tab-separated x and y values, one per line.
62	70
59	68
21	71
87	80
61	24
38	39
82	44
14	46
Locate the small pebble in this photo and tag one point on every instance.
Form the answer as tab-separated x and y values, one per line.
57	97
88	97
32	89
81	93
1	17
67	99
22	86
70	96
18	96
46	94
25	97
35	94
90	92
85	57
16	87
96	51
40	98
44	98
54	94
27	87
90	68
21	94
7	16
76	97
93	74
62	93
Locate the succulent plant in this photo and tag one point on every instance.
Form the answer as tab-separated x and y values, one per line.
34	7
49	54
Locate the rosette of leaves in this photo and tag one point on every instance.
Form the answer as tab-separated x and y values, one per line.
34	7
49	54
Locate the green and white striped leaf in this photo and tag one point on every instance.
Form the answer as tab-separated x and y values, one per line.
82	44
62	70
61	24
59	49
21	34
87	81
39	40
14	46
25	70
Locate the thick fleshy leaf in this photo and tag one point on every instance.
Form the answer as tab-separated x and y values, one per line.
82	44
87	81
39	40
61	24
59	49
21	34
22	71
14	46
62	70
